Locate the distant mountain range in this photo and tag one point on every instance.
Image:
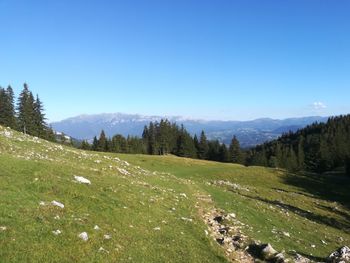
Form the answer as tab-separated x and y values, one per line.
249	133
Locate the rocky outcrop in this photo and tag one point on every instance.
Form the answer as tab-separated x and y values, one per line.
342	255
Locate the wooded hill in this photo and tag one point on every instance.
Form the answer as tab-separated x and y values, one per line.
319	147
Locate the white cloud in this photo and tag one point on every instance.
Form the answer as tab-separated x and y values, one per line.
318	105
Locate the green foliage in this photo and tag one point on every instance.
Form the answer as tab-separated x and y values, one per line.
319	147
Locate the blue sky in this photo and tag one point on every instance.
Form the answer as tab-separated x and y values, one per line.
234	60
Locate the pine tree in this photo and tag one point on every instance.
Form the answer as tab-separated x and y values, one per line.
235	151
95	144
203	146
102	142
223	153
26	111
7	111
39	118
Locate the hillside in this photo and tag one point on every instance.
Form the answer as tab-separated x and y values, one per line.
249	133
141	208
320	147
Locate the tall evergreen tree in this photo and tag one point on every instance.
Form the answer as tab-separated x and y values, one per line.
235	151
203	146
102	142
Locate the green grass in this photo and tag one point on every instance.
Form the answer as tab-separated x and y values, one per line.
129	207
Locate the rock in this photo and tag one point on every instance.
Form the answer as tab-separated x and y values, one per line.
220	240
232	215
157	228
301	259
286	234
268	252
81	180
101	249
279	258
186	219
3	228
96	227
55	203
57	232
57	217
183	195
107	236
218	219
84	236
340	255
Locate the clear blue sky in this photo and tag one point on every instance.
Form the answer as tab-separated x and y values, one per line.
204	59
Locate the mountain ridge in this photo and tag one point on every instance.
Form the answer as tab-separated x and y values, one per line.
249	133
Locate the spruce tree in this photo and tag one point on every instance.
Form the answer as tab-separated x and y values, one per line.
235	151
203	146
102	142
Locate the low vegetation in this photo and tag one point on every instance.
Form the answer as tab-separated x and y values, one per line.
142	208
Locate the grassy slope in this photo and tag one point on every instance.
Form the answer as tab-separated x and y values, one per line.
130	207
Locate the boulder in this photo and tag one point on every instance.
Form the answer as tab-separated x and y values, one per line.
268	252
81	180
84	236
340	255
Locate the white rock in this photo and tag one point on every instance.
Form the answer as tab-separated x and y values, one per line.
186	219
96	227
55	203
286	234
42	203
183	195
101	249
107	236
156	228
232	215
3	228
206	232
84	236
81	180
57	217
57	232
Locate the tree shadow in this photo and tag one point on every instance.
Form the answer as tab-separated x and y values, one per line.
343	225
333	188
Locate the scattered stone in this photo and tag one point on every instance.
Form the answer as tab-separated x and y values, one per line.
3	228
96	227
107	236
101	249
55	203
206	232
81	180
313	246
232	215
186	219
341	255
42	203
183	195
157	228
301	259
57	217
84	236
286	234
56	232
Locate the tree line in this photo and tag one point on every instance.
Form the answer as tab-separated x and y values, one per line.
164	137
319	147
27	115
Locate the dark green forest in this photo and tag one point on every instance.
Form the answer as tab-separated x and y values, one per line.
160	138
320	147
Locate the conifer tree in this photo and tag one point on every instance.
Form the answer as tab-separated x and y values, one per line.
102	142
203	146
235	151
